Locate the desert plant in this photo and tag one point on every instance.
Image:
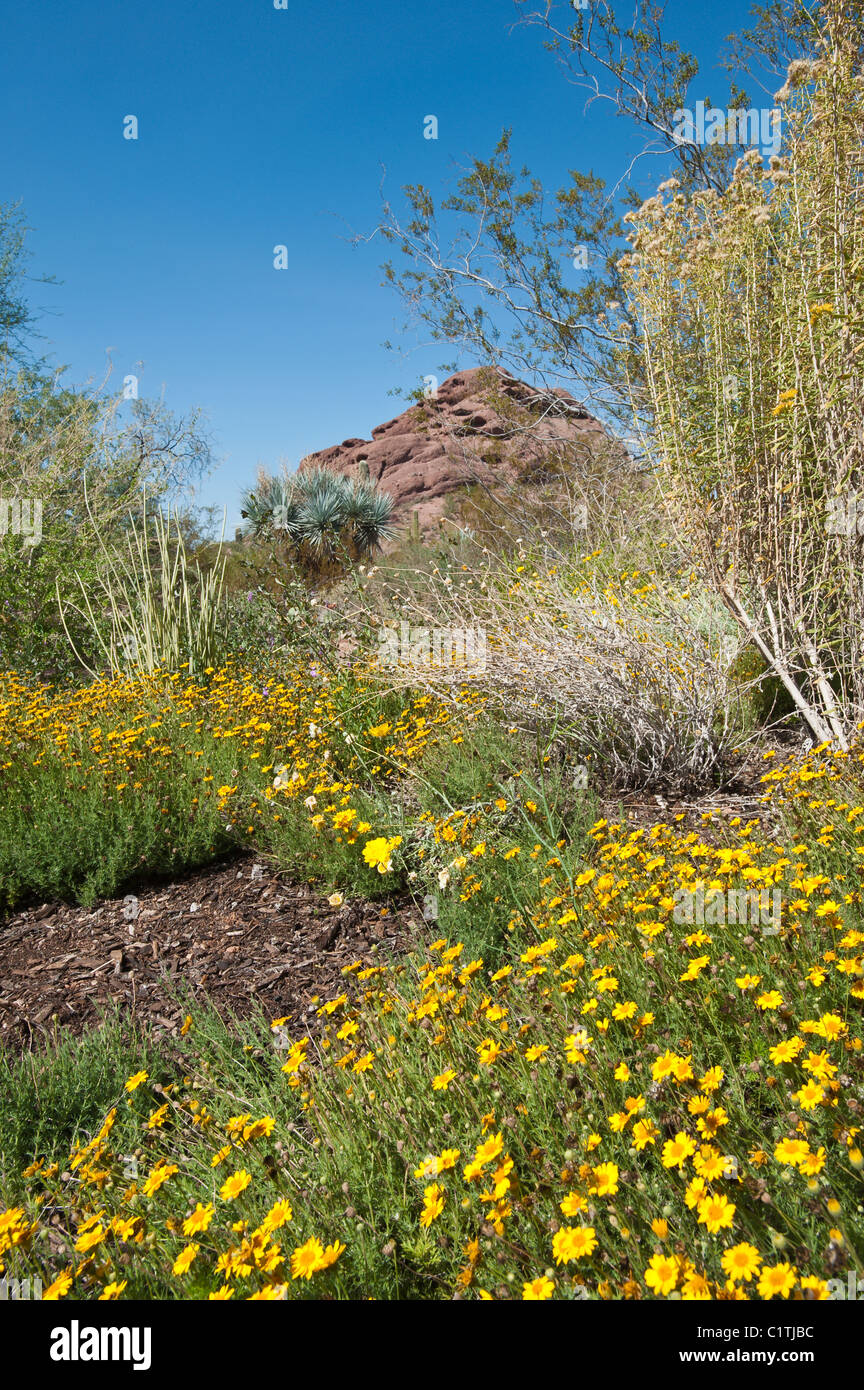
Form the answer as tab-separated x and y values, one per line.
634	672
325	519
71	463
153	609
749	308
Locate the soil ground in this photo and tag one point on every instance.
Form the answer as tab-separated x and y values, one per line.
233	932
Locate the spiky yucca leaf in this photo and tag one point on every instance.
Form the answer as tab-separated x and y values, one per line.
322	514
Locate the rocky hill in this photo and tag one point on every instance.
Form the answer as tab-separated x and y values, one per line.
481	426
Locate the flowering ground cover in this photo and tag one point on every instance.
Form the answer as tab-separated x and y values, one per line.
571	1091
151	775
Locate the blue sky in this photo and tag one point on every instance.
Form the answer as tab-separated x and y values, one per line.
260	127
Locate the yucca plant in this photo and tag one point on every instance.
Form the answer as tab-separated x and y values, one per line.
151	609
323	517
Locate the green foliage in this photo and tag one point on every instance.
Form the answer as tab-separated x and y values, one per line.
749	312
767	696
155	611
324	519
76	458
53	1099
64	834
17	319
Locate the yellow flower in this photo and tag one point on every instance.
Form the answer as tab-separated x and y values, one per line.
198	1220
809	1095
60	1287
817	1287
442	1081
644	1132
278	1215
538	1290
131	1229
112	1291
695	1288
233	1186
94	1236
676	1151
606	1179
831	1026
777	1279
377	852
662	1274
812	1163
768	1001
433	1204
663	1067
573	1204
332	1253
716	1213
157	1176
184	1259
573	1243
307	1259
741	1261
791	1151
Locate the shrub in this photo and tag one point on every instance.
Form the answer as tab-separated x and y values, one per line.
749	310
325	519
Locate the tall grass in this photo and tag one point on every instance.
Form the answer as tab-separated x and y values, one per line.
151	608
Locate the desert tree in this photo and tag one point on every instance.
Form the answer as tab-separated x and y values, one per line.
76	457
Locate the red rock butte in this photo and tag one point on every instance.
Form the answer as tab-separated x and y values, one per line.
481	426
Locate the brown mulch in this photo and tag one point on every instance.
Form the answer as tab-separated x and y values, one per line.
234	933
237	934
642	810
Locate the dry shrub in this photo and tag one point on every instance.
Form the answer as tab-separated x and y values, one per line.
635	677
751	335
